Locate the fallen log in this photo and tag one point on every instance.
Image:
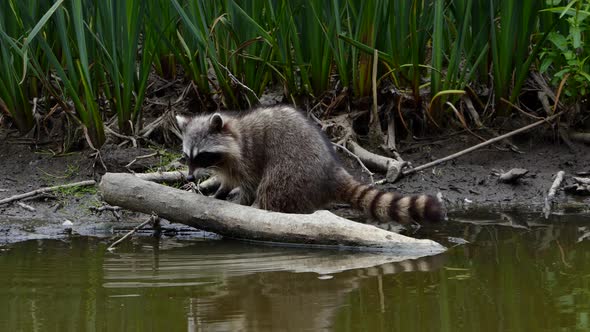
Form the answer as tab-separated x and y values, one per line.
320	228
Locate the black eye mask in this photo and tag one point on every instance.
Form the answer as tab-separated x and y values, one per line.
207	159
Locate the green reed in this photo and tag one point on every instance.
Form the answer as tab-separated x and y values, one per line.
94	58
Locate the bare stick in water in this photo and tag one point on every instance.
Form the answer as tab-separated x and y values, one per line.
551	194
152	219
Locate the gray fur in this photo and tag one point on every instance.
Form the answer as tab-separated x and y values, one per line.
280	161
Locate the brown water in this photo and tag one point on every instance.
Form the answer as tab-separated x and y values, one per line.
506	279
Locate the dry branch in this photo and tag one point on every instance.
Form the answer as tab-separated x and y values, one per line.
581	187
248	223
45	190
152	219
481	145
156	177
513	175
26	207
551	194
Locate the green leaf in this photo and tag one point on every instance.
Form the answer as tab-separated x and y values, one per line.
558	40
576	34
547	62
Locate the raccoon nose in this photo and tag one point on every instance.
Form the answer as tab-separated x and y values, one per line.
190	177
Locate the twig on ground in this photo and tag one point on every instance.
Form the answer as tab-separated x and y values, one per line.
525	113
513	175
365	169
45	190
114	210
551	194
142	157
26	207
121	136
97	155
152	219
481	145
155	177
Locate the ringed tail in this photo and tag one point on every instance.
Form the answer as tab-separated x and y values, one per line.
388	206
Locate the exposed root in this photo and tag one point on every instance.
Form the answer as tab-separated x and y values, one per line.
97	156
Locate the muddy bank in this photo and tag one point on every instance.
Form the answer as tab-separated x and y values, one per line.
468	182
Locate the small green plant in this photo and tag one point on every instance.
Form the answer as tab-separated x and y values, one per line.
165	158
75	192
568	54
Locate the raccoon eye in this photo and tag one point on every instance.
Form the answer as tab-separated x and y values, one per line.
206	159
184	159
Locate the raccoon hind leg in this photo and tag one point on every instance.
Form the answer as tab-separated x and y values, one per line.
283	193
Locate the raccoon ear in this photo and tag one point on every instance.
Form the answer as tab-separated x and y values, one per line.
182	121
216	123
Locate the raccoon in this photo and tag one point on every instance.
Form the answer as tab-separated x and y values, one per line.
282	162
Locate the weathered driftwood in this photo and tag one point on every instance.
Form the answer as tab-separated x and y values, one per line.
581	187
248	223
391	167
551	193
513	175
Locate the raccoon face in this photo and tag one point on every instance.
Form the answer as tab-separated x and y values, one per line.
207	141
